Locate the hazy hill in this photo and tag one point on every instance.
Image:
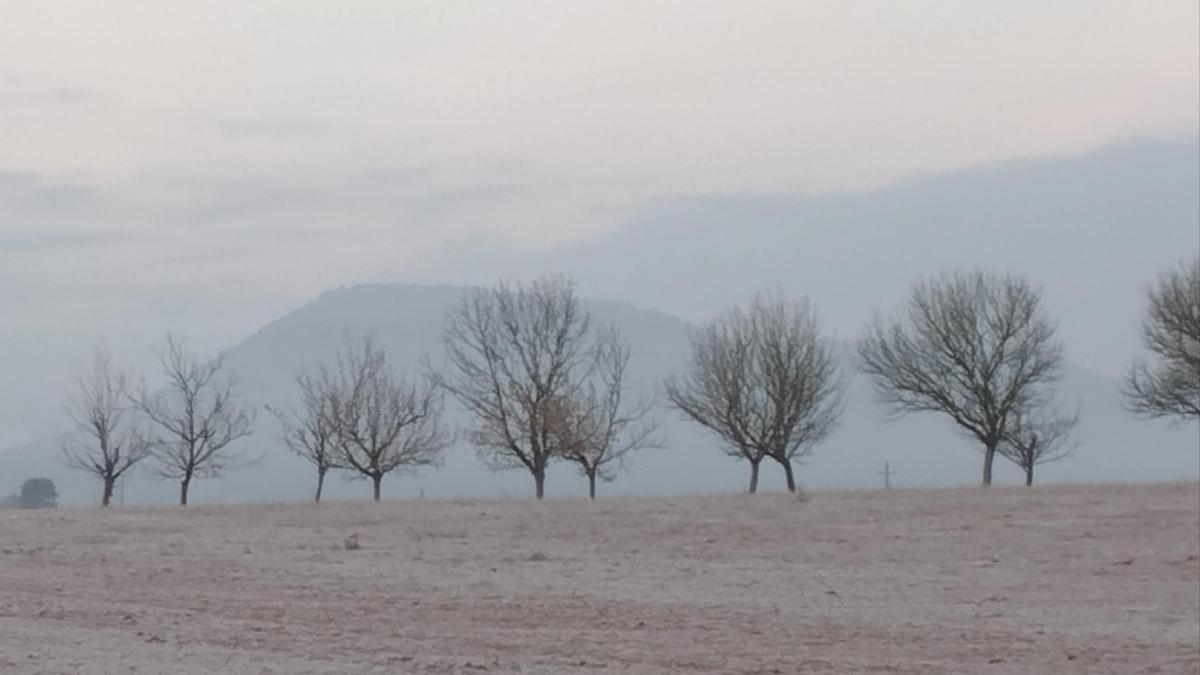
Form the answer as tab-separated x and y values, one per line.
406	320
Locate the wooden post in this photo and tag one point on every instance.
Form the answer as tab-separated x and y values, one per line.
887	475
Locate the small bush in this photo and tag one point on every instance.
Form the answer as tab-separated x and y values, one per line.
38	493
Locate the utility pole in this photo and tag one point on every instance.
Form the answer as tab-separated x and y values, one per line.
887	474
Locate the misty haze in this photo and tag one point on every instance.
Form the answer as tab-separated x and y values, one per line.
599	337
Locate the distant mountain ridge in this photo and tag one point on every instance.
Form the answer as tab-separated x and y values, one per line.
1091	229
406	320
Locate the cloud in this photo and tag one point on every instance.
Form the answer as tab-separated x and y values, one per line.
23	241
19	90
14	181
227	202
44	214
275	128
439	202
46	97
30	190
222	229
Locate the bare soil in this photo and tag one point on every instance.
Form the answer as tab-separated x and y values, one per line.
1058	579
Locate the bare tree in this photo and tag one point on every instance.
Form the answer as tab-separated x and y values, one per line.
765	381
311	431
384	422
600	427
800	376
107	442
1039	435
714	390
197	415
1171	333
975	346
512	351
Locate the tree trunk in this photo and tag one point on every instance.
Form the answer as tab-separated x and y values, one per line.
591	484
787	472
1029	475
183	490
320	484
376	482
108	492
753	477
988	456
539	482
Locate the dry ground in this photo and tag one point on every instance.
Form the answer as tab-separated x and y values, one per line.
1096	579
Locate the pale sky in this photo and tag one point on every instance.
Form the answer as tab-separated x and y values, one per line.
253	154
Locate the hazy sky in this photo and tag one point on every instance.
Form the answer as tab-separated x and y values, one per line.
249	155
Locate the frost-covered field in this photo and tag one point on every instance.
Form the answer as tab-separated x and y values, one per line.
1096	579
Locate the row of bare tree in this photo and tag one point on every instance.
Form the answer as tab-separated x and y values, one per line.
526	363
366	417
540	380
976	347
542	383
188	426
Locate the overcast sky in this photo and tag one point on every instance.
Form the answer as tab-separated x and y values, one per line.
249	155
